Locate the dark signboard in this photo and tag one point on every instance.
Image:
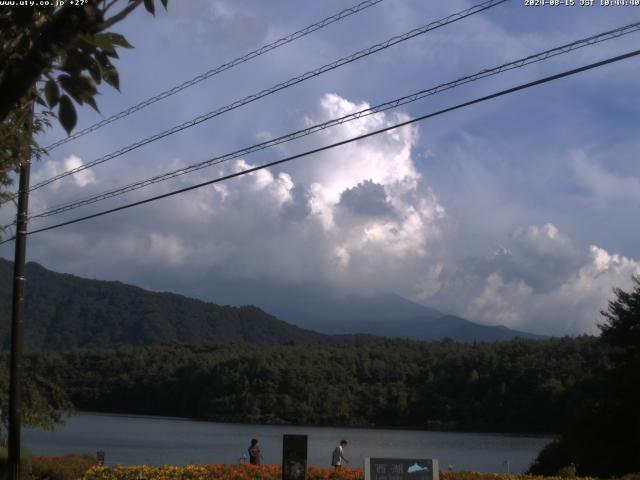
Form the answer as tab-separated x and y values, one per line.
294	457
400	469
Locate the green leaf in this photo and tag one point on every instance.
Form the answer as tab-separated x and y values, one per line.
67	114
80	87
71	60
109	72
108	42
92	101
110	75
103	60
52	93
69	86
66	82
117	39
88	97
148	4
85	43
102	41
94	71
78	60
112	54
85	84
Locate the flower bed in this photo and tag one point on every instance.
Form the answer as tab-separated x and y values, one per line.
265	472
215	472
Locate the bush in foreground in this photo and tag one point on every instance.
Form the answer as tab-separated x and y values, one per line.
264	472
66	467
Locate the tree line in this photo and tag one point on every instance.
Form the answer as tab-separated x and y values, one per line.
506	386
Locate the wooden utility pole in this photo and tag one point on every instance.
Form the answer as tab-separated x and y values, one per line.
17	310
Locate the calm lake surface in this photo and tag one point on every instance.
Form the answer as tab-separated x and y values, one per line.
135	440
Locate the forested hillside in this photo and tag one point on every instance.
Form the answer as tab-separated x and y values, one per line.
65	311
508	386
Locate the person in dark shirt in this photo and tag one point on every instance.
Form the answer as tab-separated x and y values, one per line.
255	455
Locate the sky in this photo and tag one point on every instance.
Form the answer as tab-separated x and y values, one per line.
520	211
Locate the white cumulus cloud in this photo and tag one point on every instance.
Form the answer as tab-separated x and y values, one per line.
359	217
547	284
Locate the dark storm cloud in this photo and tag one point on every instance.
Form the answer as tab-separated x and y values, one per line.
367	198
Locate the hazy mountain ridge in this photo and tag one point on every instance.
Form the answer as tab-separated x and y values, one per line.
66	311
386	315
446	326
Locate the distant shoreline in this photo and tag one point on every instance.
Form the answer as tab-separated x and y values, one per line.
355	427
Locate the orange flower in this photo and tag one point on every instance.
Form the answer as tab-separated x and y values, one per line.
265	472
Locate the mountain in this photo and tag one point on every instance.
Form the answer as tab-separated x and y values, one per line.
318	309
429	329
385	314
64	311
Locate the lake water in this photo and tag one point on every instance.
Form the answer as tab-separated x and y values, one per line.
134	440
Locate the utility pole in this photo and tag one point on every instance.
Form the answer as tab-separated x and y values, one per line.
17	310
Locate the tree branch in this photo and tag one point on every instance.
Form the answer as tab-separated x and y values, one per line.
107	6
119	16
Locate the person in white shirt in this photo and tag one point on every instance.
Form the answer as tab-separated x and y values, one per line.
337	459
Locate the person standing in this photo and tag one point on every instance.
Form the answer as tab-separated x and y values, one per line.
338	459
255	455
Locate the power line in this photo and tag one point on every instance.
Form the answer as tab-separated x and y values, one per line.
219	69
344	142
564	49
280	86
7	227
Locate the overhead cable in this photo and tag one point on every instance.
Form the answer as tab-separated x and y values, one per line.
343	142
280	86
219	69
538	57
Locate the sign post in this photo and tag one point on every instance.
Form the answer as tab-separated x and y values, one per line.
401	469
294	457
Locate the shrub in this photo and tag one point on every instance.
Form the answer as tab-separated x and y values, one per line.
67	467
628	476
567	472
4	460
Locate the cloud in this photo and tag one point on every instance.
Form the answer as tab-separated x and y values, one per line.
51	168
356	217
367	198
166	249
298	207
546	284
600	185
547	257
219	24
58	192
